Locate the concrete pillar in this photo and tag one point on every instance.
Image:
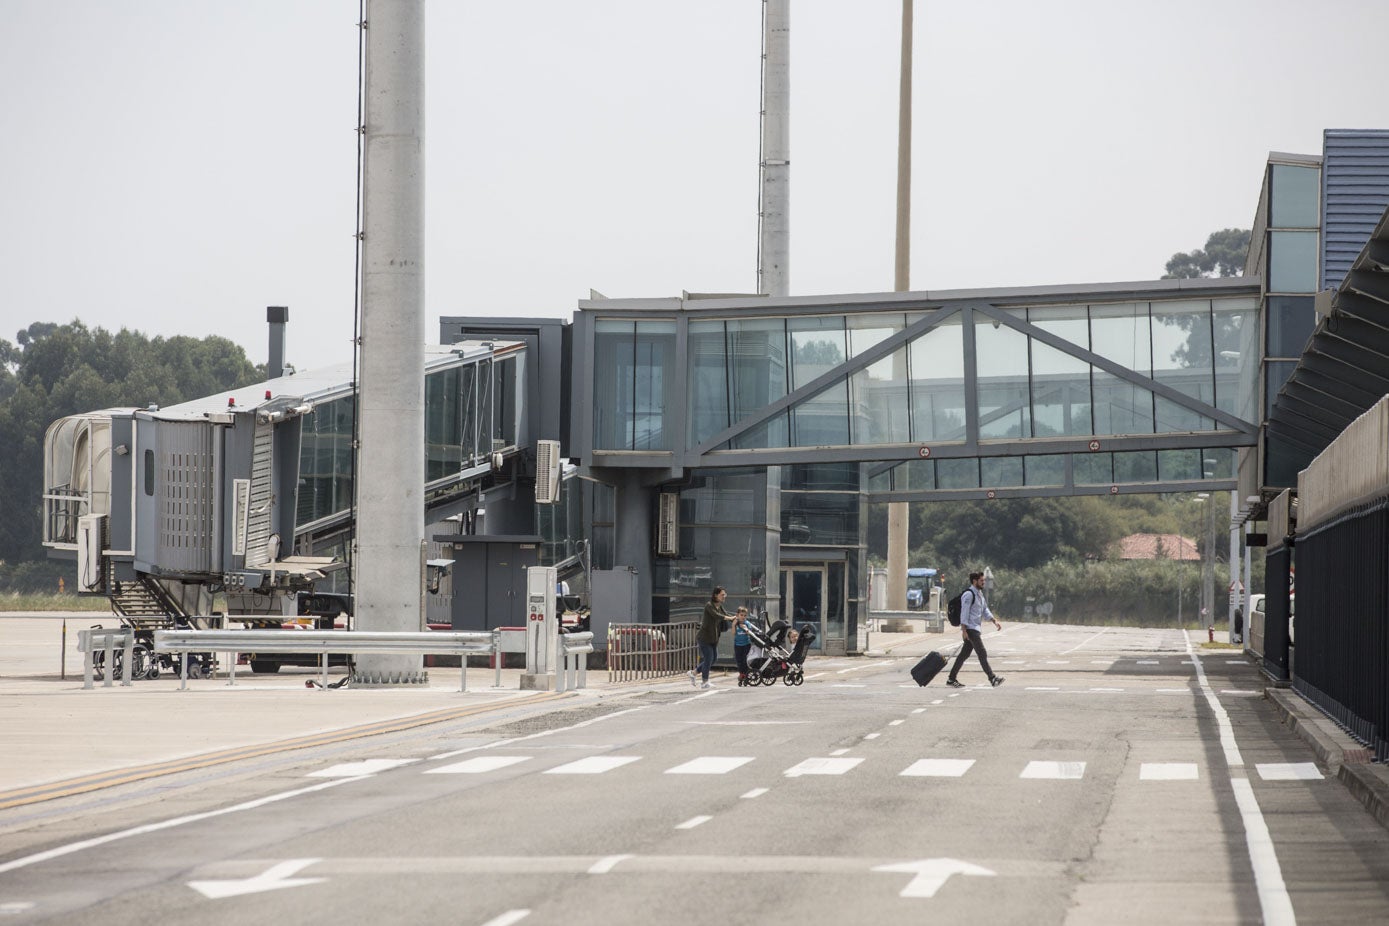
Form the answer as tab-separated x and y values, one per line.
899	513
774	227
632	534
389	560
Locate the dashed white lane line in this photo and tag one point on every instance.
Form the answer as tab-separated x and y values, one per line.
1058	662
710	765
693	822
922	710
509	918
1101	662
1148	662
821	766
1064	771
1242	692
755	792
591	765
357	769
1168	771
1288	771
871	736
1106	689
476	765
839	752
607	864
938	768
896	723
937	701
1040	688
851	685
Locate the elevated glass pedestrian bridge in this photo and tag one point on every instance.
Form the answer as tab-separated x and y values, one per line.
1110	388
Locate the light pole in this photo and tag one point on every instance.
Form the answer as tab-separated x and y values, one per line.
1208	555
1181	572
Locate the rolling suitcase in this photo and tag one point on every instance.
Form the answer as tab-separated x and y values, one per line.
928	668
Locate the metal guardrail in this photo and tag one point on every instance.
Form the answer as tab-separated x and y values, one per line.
324	643
934	620
574	649
107	638
640	651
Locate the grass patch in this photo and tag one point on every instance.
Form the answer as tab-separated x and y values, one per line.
51	601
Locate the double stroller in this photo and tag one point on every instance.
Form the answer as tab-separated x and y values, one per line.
770	659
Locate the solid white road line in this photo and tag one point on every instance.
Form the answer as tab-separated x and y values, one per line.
72	847
710	765
1083	643
476	765
1276	905
591	765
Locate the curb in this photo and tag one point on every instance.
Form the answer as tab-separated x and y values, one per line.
1346	759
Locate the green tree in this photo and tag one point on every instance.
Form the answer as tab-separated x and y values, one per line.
1223	256
57	370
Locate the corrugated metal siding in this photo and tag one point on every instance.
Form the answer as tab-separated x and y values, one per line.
262	490
185	496
1354	194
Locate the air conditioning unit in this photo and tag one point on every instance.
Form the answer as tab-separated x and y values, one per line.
547	463
668	525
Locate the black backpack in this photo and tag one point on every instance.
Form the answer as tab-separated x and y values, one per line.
952	609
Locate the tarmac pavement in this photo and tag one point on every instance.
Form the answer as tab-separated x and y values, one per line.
61	739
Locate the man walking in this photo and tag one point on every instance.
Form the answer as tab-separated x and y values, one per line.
973	611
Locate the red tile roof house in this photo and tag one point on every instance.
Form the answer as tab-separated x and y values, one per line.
1158	546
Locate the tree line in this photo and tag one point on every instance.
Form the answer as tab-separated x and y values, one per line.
51	371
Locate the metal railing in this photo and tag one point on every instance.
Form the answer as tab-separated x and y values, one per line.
573	649
641	651
1341	651
106	640
323	643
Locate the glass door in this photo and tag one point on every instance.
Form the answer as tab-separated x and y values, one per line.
803	599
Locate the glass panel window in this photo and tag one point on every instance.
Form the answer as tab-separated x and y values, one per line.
878	392
1001	471
1060	381
757	377
1278	373
1182	361
1292	261
1236	325
467	398
325	461
958	474
708	380
1093	469
938	383
1175	465
442	424
1291	320
1135	466
1004	402
653	384
613	359
1045	469
1295	200
817	346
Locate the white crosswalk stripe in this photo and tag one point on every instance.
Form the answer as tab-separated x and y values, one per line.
1064	771
1288	771
476	765
363	767
591	765
710	765
938	768
1167	771
822	766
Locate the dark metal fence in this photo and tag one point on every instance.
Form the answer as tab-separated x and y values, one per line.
1342	621
1277	563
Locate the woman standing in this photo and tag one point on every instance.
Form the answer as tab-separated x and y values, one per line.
710	628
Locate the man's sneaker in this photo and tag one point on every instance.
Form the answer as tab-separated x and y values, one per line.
954	683
996	681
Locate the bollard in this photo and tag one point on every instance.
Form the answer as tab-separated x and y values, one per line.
1211	630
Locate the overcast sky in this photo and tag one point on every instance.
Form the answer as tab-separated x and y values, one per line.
177	165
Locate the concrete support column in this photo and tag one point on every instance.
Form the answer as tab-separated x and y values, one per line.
389	557
632	535
774	227
899	513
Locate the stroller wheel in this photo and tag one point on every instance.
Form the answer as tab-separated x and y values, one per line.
769	679
788	679
754	677
800	678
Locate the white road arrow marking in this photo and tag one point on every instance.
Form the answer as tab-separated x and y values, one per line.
932	873
272	879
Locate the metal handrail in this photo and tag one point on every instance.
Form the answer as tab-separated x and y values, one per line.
323	643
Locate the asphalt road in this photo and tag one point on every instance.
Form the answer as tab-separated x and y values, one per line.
1116	776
